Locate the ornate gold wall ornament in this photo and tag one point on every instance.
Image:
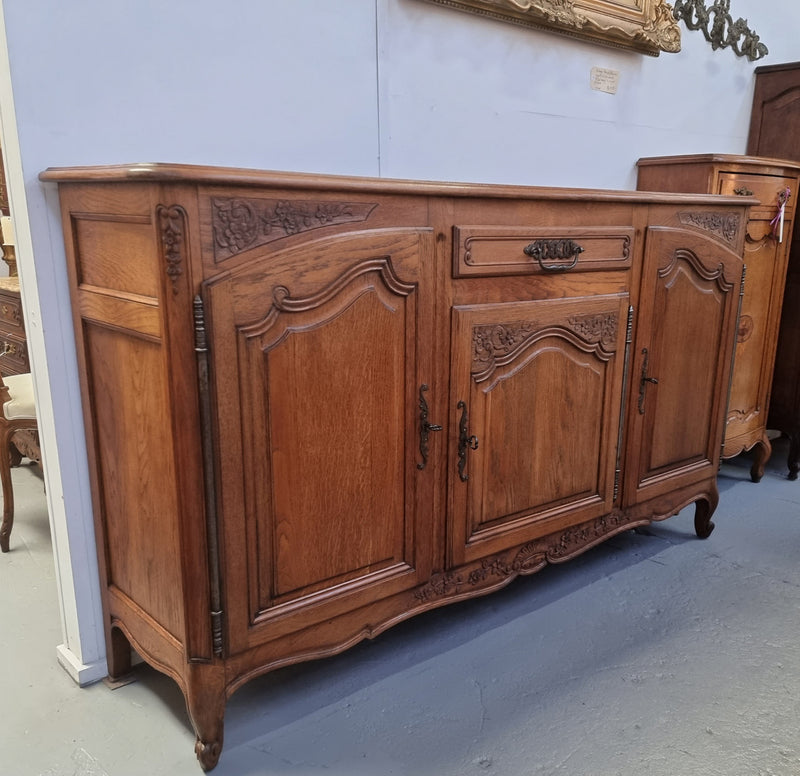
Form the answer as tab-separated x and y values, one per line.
722	32
647	26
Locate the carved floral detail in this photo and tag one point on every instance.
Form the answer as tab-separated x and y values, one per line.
527	559
172	223
725	226
583	536
239	223
600	328
497	340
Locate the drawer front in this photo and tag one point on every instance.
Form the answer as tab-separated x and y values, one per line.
13	355
766	188
482	251
10	313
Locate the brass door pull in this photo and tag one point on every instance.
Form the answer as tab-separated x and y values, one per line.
465	441
645	380
425	427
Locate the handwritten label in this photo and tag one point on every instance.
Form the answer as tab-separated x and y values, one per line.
605	80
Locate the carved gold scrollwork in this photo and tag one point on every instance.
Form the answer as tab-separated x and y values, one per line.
648	26
723	31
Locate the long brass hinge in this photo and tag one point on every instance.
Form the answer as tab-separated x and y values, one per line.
623	400
207	441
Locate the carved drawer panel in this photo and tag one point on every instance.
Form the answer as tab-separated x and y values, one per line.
10	312
766	188
13	346
480	251
13	354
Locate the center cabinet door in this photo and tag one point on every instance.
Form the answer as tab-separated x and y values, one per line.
318	354
536	400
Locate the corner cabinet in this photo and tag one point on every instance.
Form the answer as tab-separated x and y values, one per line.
316	406
768	238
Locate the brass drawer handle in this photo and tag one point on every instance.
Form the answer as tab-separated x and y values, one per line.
549	250
743	192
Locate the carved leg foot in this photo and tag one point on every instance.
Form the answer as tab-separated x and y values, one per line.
763	452
118	656
205	701
208	753
794	455
8	493
703	509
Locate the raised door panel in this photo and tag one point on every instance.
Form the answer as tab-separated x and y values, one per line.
775	115
317	374
535	412
681	364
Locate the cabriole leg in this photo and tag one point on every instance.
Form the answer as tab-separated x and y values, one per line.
763	450
205	702
703	509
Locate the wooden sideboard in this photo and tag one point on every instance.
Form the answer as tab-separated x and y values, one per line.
316	406
775	131
766	254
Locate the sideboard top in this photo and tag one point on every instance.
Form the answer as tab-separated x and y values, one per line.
233	176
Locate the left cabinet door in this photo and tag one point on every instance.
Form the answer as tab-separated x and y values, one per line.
318	354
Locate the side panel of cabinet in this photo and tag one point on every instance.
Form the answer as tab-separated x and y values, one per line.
534	413
681	365
318	354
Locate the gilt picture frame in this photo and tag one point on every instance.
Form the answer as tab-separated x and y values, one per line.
645	26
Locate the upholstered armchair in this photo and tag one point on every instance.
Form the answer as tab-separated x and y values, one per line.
18	415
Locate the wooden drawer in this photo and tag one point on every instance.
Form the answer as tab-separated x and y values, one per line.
481	251
10	313
765	188
13	354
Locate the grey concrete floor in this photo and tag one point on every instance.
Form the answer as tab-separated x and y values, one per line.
655	653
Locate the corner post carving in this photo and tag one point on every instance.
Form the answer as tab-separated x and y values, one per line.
172	227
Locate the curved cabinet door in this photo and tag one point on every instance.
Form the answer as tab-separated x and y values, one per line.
757	335
318	354
535	410
680	370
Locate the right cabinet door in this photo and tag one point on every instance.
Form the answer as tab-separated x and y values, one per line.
680	370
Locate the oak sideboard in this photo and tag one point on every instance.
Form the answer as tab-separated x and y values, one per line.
318	405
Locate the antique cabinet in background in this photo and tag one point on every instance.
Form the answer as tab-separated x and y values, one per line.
13	344
766	251
316	406
775	132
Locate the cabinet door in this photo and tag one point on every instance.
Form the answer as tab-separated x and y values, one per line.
318	357
680	370
535	413
757	334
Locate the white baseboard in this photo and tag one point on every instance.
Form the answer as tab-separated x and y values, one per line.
81	673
